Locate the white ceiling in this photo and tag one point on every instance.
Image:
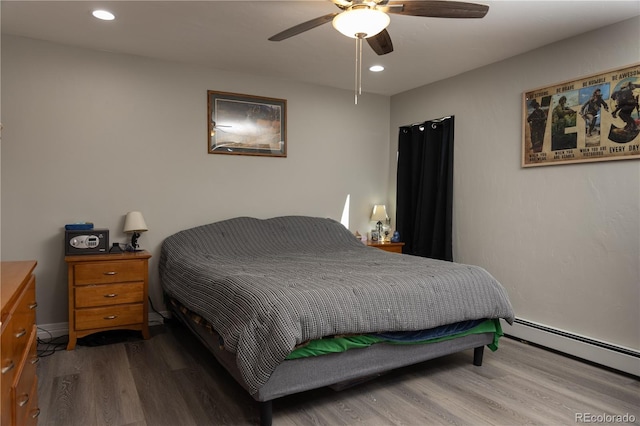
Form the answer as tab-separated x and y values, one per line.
232	36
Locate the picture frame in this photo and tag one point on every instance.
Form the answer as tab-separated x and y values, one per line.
592	118
241	124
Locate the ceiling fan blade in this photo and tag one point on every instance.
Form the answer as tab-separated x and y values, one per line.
305	26
436	9
342	4
381	43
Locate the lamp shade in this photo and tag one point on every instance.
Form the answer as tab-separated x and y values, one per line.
134	222
379	213
364	21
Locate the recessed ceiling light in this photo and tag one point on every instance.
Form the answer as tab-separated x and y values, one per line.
104	15
376	68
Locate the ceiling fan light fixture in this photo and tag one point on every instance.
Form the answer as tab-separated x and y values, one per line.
361	22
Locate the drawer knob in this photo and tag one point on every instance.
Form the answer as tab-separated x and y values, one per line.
110	273
20	333
111	295
110	317
35	413
35	360
24	400
9	367
33	305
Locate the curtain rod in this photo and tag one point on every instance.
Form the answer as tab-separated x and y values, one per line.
436	120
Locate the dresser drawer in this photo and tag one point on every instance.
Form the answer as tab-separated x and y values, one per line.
9	365
24	390
108	272
26	309
8	361
110	316
109	294
29	304
16	331
18	344
27	415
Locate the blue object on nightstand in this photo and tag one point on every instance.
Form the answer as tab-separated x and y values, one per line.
396	237
81	226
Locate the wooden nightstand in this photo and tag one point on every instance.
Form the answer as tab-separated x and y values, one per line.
386	246
107	292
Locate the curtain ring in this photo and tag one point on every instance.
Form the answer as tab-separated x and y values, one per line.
433	125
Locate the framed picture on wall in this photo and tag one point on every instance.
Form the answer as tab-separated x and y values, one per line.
592	118
246	125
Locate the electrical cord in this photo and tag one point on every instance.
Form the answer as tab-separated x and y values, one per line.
156	311
51	345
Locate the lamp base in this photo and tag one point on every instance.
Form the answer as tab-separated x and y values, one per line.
130	249
133	245
380	234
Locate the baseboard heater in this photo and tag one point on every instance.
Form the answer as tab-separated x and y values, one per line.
617	357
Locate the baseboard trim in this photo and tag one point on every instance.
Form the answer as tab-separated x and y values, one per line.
613	356
51	331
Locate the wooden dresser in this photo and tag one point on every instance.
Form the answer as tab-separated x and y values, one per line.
18	382
386	246
107	292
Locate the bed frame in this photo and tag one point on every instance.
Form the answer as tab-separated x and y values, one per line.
304	374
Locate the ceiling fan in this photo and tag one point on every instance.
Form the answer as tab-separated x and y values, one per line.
368	19
380	42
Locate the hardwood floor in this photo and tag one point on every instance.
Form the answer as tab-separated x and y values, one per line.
171	380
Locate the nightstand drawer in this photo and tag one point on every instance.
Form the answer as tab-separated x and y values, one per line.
386	246
108	272
109	294
111	316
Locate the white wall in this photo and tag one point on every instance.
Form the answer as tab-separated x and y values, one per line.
91	135
565	239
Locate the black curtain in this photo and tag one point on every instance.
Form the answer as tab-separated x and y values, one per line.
424	201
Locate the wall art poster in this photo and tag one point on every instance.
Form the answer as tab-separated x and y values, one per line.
594	118
246	125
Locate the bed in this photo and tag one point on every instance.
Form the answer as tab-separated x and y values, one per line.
256	291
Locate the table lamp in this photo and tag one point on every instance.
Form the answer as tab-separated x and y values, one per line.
134	224
379	215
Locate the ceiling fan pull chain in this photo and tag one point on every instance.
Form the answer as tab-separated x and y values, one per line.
360	65
358	41
358	88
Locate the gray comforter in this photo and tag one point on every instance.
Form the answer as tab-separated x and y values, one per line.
268	285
